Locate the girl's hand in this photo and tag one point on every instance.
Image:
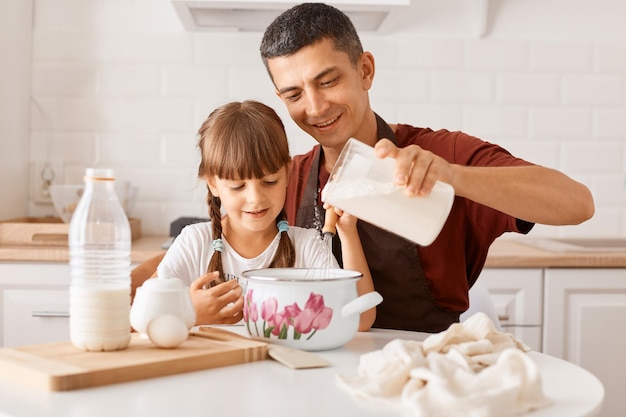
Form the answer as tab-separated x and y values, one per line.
345	221
221	304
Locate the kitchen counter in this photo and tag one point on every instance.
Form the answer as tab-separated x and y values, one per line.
269	389
504	253
143	248
523	253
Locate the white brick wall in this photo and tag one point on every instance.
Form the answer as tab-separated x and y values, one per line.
122	84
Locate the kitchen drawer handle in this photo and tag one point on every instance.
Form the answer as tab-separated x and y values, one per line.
50	314
503	317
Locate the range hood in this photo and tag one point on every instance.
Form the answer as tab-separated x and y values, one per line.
256	15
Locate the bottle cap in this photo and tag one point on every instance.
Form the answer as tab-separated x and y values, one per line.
102	174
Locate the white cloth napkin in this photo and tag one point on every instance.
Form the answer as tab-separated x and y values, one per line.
469	370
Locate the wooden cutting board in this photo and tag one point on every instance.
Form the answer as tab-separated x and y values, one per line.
45	231
62	367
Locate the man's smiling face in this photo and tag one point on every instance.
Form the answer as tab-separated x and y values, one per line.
324	93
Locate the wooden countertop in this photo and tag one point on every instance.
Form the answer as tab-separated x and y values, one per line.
504	253
143	248
520	253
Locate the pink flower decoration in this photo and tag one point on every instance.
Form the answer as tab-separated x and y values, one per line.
315	316
323	314
315	303
322	320
253	312
247	305
279	320
304	322
292	311
268	309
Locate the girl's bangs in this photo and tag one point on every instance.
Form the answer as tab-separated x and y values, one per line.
243	158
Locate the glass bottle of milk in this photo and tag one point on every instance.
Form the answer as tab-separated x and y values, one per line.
99	245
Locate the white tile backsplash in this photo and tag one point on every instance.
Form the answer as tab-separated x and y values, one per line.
79	148
606	222
609	190
64	80
178	151
130	80
121	83
545	152
561	56
156	48
430	54
528	89
193	81
609	58
386	51
497	55
228	49
563	123
131	150
244	83
468	87
610	123
496	123
401	86
593	90
433	116
602	158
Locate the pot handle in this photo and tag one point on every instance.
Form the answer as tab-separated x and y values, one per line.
362	303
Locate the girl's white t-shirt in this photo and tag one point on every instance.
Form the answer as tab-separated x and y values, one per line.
189	255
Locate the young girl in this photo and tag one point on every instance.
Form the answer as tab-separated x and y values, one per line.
245	162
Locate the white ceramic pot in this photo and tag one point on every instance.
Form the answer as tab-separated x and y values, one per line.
308	309
162	310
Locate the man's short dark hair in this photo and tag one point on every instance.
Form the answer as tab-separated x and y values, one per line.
306	24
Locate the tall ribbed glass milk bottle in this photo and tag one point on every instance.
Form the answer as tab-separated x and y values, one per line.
99	243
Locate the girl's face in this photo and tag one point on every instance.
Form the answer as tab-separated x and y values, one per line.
252	205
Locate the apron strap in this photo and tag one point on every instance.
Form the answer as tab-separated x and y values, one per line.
310	215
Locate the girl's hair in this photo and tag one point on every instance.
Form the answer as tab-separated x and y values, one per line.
306	24
243	140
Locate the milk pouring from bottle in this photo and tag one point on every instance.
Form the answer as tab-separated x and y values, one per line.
99	244
362	184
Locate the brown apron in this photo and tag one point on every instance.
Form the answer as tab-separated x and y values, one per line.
393	261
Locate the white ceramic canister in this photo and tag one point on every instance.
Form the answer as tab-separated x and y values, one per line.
307	309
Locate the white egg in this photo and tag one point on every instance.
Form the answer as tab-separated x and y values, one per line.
167	331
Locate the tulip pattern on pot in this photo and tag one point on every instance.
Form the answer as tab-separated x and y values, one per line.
277	321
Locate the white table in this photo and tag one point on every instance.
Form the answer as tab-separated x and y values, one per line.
267	388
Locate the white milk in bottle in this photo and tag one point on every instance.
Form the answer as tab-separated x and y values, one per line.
99	244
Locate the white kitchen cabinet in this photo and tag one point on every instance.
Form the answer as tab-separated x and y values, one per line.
517	294
34	302
585	323
35	316
19	280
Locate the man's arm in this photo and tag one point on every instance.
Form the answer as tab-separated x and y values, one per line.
533	193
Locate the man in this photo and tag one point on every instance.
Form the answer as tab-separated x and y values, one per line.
315	59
